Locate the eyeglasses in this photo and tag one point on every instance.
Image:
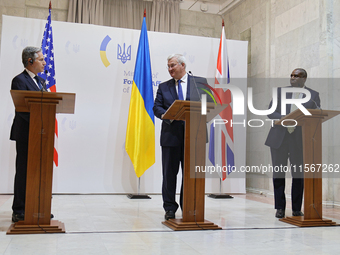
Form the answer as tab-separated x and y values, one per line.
171	66
299	75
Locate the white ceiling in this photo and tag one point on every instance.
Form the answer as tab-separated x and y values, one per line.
209	6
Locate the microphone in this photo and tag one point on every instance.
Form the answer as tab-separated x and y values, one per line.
195	86
317	107
44	84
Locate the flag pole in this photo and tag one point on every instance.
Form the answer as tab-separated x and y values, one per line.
138	189
220	195
138	195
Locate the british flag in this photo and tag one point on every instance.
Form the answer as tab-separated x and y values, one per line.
221	147
49	72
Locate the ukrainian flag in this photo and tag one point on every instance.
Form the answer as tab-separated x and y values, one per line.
140	131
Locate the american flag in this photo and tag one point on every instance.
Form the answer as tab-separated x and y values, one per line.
49	72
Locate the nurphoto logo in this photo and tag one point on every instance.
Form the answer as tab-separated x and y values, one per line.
238	105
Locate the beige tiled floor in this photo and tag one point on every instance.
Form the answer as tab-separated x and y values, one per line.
114	224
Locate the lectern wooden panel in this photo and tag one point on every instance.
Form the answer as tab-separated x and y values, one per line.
43	107
312	154
194	155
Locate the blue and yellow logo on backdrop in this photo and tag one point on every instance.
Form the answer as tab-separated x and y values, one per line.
123	53
103	47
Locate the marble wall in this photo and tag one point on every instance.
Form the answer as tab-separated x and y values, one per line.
200	24
285	35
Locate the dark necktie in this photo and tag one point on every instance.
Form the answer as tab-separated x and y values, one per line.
38	81
180	91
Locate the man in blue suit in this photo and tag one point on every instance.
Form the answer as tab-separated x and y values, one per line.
34	63
182	86
286	143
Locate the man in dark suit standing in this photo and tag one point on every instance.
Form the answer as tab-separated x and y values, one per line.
182	86
286	143
34	63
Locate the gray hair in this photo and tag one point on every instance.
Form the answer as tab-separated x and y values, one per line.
180	59
29	53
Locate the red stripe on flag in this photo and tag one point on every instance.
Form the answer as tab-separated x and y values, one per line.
55	157
56	127
55	154
227	113
219	58
53	88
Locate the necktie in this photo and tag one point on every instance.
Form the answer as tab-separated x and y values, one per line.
38	81
180	92
292	109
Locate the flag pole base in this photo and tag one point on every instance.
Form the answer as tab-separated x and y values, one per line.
138	196
219	196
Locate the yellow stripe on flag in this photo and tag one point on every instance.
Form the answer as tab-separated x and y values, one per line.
140	134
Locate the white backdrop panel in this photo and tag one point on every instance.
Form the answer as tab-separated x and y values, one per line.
92	158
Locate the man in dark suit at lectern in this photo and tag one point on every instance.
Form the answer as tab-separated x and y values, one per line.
286	142
34	63
182	86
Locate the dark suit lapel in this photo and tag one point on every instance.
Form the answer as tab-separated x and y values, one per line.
172	88
30	82
194	84
311	103
188	88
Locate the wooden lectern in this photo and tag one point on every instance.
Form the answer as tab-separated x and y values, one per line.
43	107
194	155
312	154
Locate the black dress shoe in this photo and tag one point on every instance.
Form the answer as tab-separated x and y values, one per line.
17	217
280	213
169	215
297	213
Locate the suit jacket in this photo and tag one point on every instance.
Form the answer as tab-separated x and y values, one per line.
20	126
172	133
277	132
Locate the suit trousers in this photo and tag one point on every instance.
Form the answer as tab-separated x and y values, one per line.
20	178
172	157
290	149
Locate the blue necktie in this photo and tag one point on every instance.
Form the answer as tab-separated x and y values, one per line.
38	81
180	92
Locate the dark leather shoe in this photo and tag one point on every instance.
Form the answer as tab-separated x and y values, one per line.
297	213
17	217
280	213
169	215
